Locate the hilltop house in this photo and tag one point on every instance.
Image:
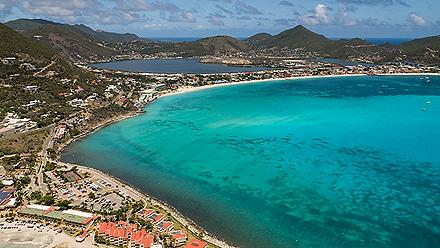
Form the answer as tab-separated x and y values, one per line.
77	102
28	67
31	88
9	61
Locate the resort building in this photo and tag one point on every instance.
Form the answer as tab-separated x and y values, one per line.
145	213
179	236
60	131
151	216
52	214
125	235
164	226
158	218
7	199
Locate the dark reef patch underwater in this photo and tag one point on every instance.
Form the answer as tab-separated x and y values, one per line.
325	162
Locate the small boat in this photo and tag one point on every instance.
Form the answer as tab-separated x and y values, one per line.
427	79
423	109
428	102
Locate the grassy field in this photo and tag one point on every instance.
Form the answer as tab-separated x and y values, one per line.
30	142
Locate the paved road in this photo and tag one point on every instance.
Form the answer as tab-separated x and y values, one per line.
48	143
44	68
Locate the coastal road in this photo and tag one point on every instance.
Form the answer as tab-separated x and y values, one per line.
48	143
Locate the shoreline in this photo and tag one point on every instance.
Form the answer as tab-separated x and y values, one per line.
174	213
97	128
139	194
182	219
188	223
188	89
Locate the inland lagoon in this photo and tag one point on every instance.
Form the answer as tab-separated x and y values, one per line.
177	65
322	162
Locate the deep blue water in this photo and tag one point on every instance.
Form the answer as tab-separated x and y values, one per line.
331	162
174	66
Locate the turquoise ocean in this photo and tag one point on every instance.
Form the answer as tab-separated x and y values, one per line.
322	162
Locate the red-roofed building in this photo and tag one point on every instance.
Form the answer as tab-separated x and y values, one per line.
158	218
164	226
49	210
180	238
60	131
121	101
121	234
145	213
196	244
88	220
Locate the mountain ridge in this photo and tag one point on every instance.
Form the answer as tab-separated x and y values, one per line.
80	41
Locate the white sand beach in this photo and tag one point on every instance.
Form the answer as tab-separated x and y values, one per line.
187	89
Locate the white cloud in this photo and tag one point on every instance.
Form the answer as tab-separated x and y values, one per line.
243	8
133	5
216	19
54	8
154	26
188	16
417	20
200	27
344	19
319	15
179	16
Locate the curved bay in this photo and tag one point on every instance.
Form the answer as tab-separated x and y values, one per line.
330	162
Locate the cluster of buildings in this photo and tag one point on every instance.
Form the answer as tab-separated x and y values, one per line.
126	235
13	61
122	234
132	235
60	131
8	60
13	123
53	214
157	219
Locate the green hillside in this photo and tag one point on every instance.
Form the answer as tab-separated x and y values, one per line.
13	44
65	39
423	50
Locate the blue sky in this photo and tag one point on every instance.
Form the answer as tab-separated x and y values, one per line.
239	18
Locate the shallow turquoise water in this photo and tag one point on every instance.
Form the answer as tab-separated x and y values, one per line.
340	162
